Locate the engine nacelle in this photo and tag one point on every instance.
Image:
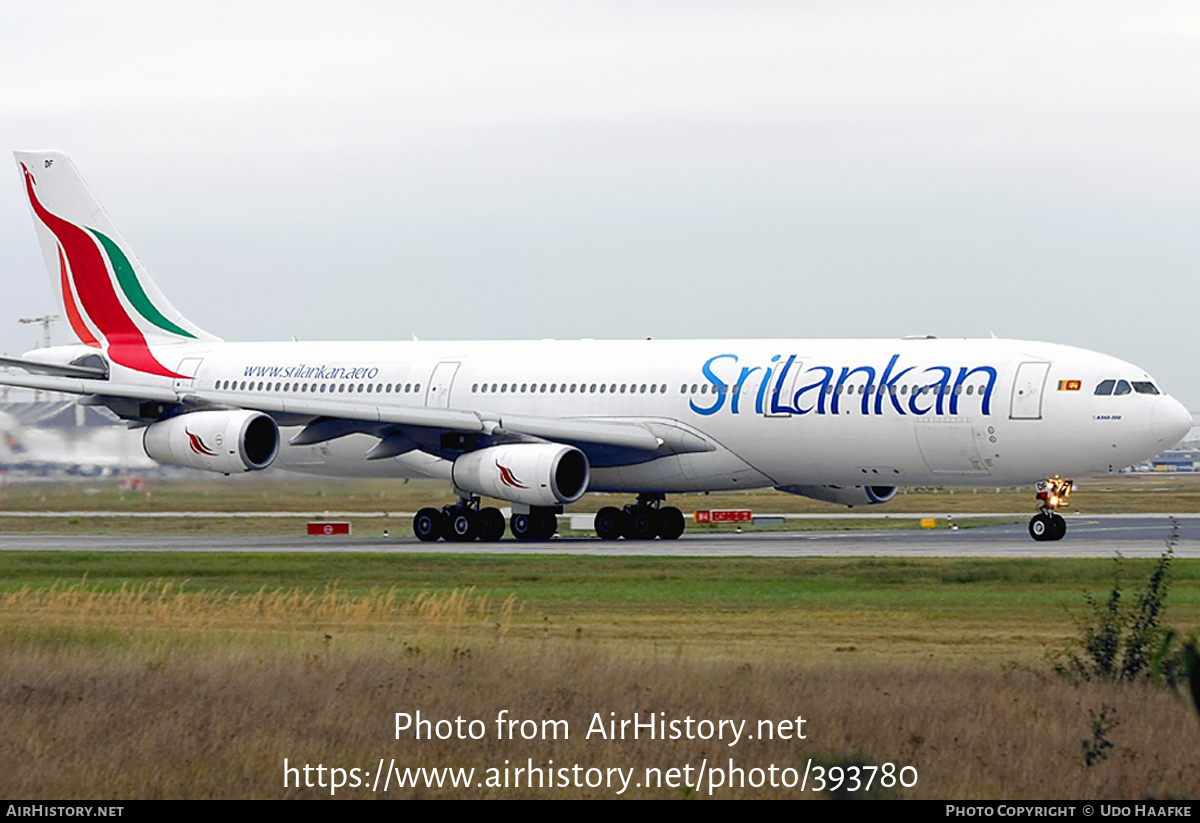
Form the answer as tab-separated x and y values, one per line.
216	441
536	474
844	495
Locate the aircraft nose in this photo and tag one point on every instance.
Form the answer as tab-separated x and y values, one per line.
1170	421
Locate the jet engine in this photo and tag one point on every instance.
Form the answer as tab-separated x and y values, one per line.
844	495
535	474
216	441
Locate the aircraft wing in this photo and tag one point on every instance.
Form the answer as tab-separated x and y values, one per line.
326	419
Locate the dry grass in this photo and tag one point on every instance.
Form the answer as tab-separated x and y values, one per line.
167	604
154	691
173	722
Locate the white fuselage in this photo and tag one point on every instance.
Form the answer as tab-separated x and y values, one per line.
768	412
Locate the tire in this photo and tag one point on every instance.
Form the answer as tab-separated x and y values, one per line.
462	525
491	525
523	526
428	525
1058	527
1041	527
672	523
644	524
547	525
610	523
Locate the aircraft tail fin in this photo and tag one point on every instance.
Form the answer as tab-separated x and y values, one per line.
108	298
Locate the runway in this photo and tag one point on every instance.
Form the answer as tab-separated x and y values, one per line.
1143	535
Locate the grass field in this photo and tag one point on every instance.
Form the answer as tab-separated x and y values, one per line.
126	675
280	492
195	675
386	502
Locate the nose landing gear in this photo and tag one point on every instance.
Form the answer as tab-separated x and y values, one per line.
1047	524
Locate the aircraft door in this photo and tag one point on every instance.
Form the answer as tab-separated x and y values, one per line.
438	395
188	367
1027	391
763	388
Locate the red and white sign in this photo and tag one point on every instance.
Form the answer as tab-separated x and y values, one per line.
328	527
724	516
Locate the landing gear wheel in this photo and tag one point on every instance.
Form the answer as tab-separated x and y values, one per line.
1058	527
547	525
672	523
463	525
610	523
523	526
429	524
1041	527
491	525
644	524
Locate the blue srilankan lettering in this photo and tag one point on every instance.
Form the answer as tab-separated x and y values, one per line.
896	388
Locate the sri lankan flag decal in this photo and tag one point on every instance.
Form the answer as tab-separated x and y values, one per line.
1070	385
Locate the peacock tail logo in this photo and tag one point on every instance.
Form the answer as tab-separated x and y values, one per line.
86	257
507	477
197	445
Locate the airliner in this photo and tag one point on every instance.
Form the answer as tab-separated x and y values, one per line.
540	423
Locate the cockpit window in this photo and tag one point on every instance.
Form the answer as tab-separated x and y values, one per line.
1144	387
1122	387
1106	387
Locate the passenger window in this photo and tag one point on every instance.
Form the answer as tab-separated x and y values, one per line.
1122	388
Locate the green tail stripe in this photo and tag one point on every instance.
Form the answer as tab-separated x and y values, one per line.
133	289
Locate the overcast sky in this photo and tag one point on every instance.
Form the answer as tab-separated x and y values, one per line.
454	169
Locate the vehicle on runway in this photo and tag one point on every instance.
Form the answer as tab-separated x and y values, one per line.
540	423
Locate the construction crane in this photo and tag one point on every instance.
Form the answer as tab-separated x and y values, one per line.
45	321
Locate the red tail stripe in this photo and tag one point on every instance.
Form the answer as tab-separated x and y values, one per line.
81	329
126	345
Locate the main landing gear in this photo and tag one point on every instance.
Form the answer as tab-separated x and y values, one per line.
644	520
1047	524
465	521
460	523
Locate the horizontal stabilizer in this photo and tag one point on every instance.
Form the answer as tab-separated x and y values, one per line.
61	370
